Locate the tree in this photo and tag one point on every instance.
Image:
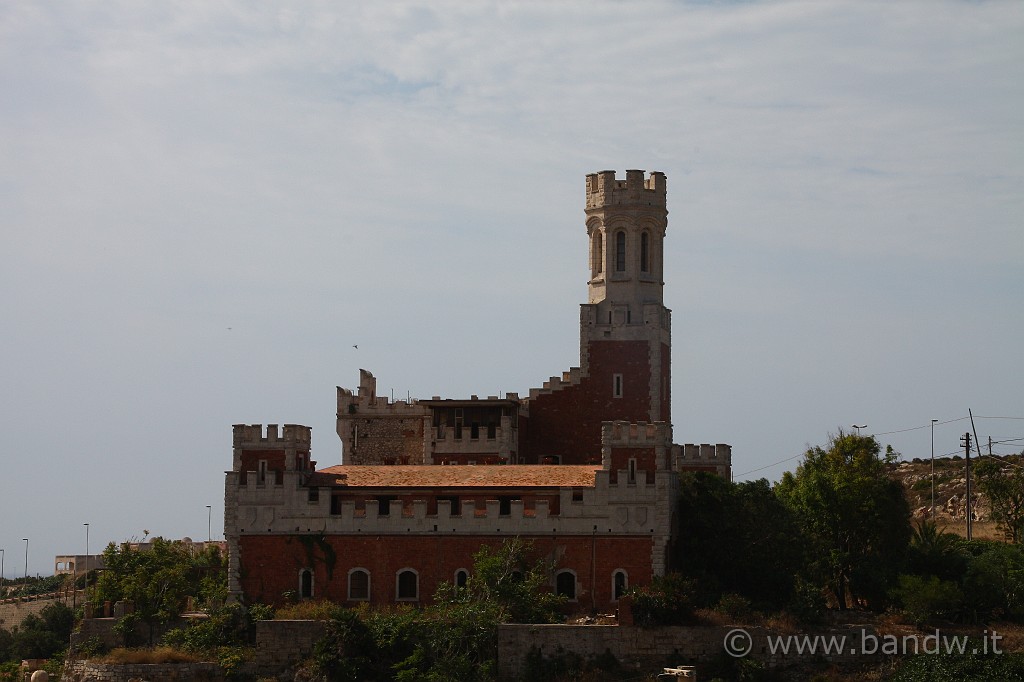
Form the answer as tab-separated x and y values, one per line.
159	579
854	516
736	537
1004	487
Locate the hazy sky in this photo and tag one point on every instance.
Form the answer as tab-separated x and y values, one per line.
204	206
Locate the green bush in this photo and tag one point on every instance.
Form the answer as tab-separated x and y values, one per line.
926	598
668	600
961	667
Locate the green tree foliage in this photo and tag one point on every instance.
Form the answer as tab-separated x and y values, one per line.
453	640
159	579
738	538
668	600
855	518
1004	487
38	636
926	598
993	582
967	667
511	580
937	552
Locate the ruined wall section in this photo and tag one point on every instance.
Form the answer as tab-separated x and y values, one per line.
374	430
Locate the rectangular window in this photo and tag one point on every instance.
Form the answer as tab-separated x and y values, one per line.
632	470
616	385
262	478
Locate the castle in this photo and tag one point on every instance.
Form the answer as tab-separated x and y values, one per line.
583	467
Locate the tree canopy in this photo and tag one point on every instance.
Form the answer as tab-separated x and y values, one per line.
855	518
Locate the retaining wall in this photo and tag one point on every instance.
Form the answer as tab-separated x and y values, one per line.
87	671
647	649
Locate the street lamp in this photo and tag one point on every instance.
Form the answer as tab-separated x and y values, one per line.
1	573
26	562
862	426
209	523
933	469
86	560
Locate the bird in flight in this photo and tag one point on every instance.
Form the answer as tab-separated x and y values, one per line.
356	346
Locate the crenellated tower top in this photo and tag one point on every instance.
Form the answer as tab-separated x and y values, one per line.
636	190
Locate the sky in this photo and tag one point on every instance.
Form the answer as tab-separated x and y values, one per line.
205	206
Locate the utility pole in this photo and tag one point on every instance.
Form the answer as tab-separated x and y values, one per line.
965	440
933	469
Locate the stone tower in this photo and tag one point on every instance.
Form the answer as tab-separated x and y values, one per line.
625	330
626	223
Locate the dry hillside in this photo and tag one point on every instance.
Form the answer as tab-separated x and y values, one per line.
950	493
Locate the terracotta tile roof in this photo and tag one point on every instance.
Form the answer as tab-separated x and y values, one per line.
458	476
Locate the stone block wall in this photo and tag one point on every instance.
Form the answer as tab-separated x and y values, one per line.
87	671
13	611
280	644
648	649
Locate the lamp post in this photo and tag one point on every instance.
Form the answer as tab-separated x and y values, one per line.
933	469
862	426
86	561
26	564
1	573
209	523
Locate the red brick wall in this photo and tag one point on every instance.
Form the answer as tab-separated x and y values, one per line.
567	422
644	460
270	565
666	383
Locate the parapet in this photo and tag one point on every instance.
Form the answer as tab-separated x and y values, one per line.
604	190
707	452
623	434
254	435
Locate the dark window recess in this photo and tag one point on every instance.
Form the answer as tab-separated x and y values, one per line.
620	584
456	507
565	584
313	494
474	430
335	505
645	248
505	504
620	251
408	585
306	583
385	504
577	495
461	578
359	585
492	431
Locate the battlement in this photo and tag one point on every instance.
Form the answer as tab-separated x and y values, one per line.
705	451
637	190
255	435
570	378
615	505
623	434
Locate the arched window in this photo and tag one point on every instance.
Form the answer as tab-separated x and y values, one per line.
620	583
461	577
359	584
407	585
645	252
620	251
597	267
565	584
306	583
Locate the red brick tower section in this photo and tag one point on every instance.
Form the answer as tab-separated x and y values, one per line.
625	330
264	465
